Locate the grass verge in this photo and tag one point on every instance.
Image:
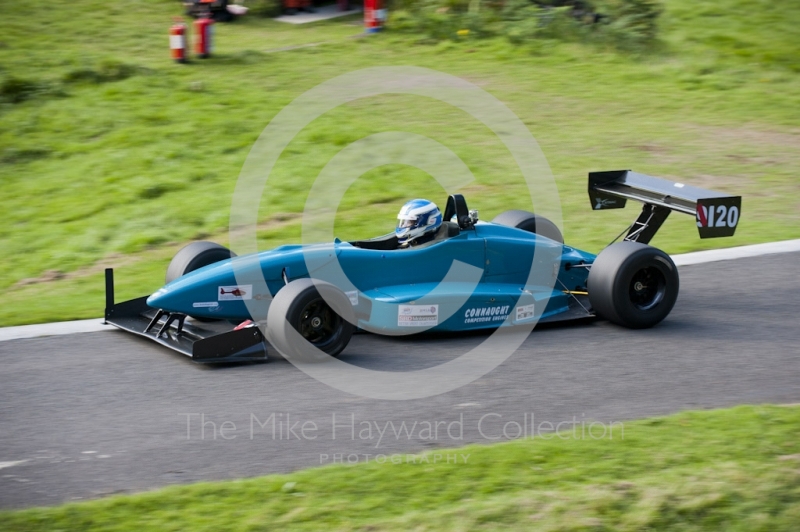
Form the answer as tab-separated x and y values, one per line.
733	469
112	155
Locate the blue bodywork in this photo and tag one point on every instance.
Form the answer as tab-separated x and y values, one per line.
387	283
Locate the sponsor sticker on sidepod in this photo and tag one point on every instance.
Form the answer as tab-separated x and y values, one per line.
486	314
417	315
524	312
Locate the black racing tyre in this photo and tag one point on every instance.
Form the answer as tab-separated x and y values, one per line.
633	285
533	223
301	322
194	256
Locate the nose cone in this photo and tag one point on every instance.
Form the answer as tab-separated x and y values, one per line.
199	300
156	299
214	292
241	288
162	298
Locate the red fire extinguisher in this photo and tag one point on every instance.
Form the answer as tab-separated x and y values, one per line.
374	15
204	35
177	41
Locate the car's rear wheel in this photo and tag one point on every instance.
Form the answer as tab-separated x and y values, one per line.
195	256
633	284
533	223
308	320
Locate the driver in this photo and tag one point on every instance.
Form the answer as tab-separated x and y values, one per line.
417	223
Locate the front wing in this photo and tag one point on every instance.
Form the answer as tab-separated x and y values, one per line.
206	343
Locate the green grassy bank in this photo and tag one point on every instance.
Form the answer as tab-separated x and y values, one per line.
735	469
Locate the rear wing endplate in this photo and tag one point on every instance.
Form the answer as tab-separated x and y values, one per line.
717	214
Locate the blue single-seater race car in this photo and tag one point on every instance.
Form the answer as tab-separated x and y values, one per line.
512	271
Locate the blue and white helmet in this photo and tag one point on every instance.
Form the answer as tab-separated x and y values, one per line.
417	218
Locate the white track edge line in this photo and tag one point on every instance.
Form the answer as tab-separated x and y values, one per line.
684	259
53	329
740	252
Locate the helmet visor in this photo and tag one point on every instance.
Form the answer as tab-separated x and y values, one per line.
406	223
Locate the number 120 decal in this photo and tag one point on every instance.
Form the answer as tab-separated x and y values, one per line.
718	216
724	216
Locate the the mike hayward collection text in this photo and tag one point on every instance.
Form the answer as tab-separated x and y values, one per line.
490	426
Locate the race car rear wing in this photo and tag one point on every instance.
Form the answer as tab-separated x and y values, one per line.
717	214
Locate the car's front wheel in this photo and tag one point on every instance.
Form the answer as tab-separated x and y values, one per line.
195	256
633	284
309	319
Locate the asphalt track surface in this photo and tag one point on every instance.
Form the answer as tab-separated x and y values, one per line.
88	415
